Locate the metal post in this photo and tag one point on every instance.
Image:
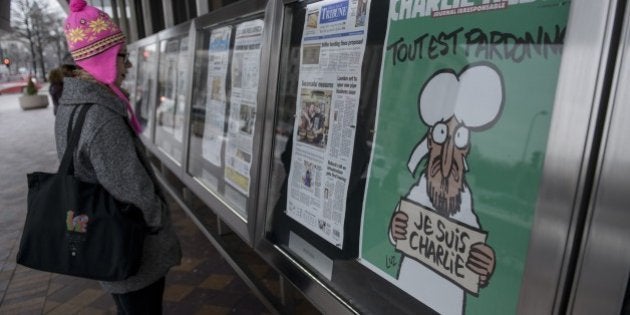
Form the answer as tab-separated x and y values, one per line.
202	7
146	14
133	21
167	9
216	4
122	16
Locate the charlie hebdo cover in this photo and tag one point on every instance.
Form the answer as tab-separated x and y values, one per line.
465	101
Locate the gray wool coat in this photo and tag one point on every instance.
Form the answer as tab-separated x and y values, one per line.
106	154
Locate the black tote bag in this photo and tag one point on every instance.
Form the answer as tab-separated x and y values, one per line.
78	228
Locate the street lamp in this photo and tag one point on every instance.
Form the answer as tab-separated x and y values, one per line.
529	132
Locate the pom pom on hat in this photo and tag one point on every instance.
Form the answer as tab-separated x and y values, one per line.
77	5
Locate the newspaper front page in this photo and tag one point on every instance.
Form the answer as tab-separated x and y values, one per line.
216	100
332	52
243	104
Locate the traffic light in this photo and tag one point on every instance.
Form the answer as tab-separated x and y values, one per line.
6	61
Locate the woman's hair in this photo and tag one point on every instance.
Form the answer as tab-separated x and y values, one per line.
86	76
68	70
55	76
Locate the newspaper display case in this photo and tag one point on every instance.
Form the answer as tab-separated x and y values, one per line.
226	117
328	274
143	102
173	88
598	286
510	156
305	129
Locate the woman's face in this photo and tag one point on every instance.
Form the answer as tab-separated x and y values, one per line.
122	64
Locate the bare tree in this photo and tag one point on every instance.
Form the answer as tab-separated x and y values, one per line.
56	37
32	25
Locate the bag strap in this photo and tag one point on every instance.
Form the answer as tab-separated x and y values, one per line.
69	129
67	162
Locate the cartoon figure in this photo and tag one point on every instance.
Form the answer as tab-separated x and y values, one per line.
76	224
451	105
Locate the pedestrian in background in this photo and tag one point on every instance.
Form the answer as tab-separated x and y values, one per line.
55	77
110	153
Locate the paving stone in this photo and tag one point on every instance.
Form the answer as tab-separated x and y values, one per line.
50	305
104	302
54	287
177	292
66	309
211	309
18	306
216	282
93	311
29	280
187	264
86	297
24	293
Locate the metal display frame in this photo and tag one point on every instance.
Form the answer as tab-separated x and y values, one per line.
241	11
602	273
566	175
180	30
564	184
571	166
305	278
153	39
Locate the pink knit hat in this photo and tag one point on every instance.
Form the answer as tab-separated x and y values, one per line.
95	41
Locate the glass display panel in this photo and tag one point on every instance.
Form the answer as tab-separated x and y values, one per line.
147	58
223	115
171	102
298	99
332	50
451	133
129	83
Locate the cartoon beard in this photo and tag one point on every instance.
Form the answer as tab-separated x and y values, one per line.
444	192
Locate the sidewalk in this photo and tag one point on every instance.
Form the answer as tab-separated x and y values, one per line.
202	284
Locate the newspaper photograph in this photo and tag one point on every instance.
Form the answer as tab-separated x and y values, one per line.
243	99
332	50
216	100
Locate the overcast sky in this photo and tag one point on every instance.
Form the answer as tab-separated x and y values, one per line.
54	5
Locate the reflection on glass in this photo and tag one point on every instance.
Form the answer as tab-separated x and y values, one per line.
223	113
243	105
128	85
147	57
107	7
304	117
171	102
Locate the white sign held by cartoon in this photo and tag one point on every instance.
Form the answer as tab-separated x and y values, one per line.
441	244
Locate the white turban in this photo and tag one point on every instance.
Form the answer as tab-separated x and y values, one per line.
475	98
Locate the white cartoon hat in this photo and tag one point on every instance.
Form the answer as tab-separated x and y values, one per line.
474	97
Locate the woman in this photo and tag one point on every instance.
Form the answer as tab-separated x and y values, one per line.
107	151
